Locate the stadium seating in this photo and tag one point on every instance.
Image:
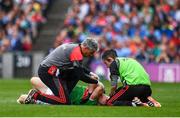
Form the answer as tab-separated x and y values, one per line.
146	30
19	23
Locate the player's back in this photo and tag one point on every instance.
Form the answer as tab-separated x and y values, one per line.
133	72
59	56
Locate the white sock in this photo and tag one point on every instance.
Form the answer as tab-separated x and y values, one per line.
40	102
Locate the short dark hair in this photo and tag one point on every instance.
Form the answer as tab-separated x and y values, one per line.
109	53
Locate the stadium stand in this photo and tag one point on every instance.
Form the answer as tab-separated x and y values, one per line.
55	17
19	23
146	30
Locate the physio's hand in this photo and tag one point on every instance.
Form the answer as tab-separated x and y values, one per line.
94	76
100	84
113	89
111	94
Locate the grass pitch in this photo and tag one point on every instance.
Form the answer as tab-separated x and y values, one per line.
167	94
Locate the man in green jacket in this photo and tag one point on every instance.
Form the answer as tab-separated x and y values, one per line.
134	78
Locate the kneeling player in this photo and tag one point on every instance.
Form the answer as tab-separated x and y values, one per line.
80	95
135	80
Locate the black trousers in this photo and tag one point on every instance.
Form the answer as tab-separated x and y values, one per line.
126	94
57	85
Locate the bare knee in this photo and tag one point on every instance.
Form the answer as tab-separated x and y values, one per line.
38	84
34	81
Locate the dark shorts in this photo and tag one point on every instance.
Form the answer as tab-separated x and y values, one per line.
57	85
128	93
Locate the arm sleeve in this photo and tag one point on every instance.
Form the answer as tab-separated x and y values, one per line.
87	71
88	79
78	64
114	73
83	73
114	68
114	80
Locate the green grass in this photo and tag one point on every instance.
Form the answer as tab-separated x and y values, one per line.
167	94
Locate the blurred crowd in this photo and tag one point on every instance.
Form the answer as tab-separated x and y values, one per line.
148	30
19	23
